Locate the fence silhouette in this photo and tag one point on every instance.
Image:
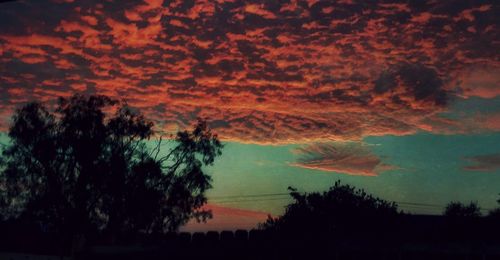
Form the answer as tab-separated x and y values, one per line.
415	237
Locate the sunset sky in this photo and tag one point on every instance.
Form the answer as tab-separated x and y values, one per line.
401	98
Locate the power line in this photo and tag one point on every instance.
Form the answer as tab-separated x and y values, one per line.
285	194
278	196
419	204
250	196
253	200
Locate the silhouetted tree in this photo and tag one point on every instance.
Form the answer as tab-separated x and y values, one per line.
458	209
339	209
495	213
87	166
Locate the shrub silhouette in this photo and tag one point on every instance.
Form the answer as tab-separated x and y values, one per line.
495	213
460	210
86	166
341	209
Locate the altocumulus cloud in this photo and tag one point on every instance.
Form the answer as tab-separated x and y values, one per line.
265	71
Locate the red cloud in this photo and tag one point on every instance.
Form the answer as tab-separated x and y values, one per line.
346	158
480	82
262	72
259	10
485	163
489	121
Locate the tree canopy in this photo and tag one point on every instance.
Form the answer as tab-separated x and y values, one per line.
87	165
495	213
458	209
341	208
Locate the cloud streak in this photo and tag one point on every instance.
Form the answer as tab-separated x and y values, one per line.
483	163
350	158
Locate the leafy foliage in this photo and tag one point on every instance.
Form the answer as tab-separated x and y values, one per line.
495	213
458	209
340	208
87	166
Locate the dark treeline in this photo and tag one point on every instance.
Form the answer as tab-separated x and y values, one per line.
341	223
80	180
404	237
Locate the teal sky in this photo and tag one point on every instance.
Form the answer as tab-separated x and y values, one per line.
430	170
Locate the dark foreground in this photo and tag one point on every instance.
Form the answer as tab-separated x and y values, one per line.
414	237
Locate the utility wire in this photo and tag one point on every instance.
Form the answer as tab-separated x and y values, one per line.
278	196
239	201
250	196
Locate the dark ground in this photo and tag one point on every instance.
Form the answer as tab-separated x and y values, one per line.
413	237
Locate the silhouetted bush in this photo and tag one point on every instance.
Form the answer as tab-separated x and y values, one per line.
495	213
460	210
340	210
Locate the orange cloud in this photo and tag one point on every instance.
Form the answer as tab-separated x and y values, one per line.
262	72
480	82
89	19
259	10
346	158
488	121
483	163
